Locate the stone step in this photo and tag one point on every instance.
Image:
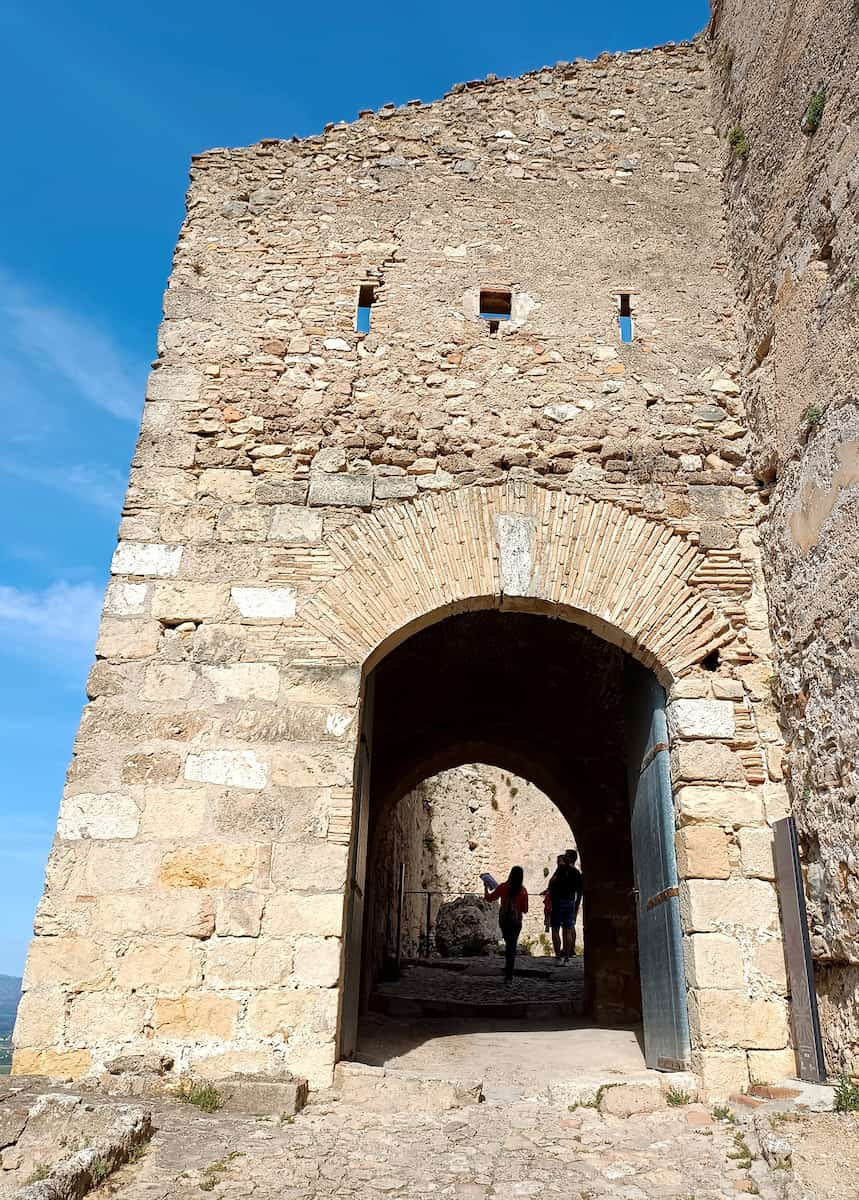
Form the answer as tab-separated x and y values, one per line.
262	1095
524	1010
381	1089
591	1090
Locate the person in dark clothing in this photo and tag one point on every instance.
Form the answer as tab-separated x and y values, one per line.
572	857
513	906
565	891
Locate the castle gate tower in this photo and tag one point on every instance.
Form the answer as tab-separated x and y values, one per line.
445	407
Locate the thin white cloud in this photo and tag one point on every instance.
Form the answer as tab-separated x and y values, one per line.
64	614
52	337
100	487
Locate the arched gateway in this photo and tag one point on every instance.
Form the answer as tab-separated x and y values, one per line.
359	545
274	992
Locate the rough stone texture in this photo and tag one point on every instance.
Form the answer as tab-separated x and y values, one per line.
794	236
516	1149
545	469
55	1145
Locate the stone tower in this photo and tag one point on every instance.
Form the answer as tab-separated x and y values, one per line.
317	492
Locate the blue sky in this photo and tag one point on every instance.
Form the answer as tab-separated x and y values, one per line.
104	105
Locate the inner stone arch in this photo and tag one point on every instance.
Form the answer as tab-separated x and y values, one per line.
546	699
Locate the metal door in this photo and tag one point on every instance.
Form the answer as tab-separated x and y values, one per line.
350	993
660	948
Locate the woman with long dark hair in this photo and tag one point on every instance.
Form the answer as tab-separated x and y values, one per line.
513	906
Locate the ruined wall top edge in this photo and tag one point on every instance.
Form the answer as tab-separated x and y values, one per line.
693	53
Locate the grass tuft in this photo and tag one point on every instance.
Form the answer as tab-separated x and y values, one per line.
739	143
813	114
202	1095
677	1097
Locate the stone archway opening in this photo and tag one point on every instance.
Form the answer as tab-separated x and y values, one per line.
534	696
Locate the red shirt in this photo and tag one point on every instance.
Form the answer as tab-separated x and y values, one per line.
520	900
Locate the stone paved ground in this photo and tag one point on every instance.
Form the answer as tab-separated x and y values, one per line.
480	981
483	1151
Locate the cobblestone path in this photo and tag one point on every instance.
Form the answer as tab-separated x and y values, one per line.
483	1151
480	981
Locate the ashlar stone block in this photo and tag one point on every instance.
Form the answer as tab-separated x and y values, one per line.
772	1066
701	718
189	601
280	1013
702	852
183	911
300	865
727	807
163	964
126	599
296	525
91	815
203	1016
72	962
756	852
727	1019
127	638
705	762
221	865
308	681
226	484
173	812
288	915
713	960
169	681
722	1073
260	603
247	963
239	914
713	905
56	1064
40	1018
230	768
244	681
317	962
337	490
146	558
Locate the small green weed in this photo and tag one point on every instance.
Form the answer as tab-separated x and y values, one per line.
721	1112
208	1184
739	143
813	415
99	1169
202	1095
813	114
846	1094
39	1172
853	285
741	1154
677	1097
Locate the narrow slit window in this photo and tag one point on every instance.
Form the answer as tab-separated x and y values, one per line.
625	318
496	304
366	296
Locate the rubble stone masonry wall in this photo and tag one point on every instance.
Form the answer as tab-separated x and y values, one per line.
793	207
301	492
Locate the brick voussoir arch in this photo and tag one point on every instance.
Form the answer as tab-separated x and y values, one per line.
626	576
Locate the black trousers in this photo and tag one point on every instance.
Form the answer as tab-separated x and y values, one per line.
510	931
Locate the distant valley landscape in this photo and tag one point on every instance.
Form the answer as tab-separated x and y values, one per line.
10	993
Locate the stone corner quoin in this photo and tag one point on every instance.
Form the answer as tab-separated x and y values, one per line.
302	493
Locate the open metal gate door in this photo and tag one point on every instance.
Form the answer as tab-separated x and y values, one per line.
660	947
356	877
